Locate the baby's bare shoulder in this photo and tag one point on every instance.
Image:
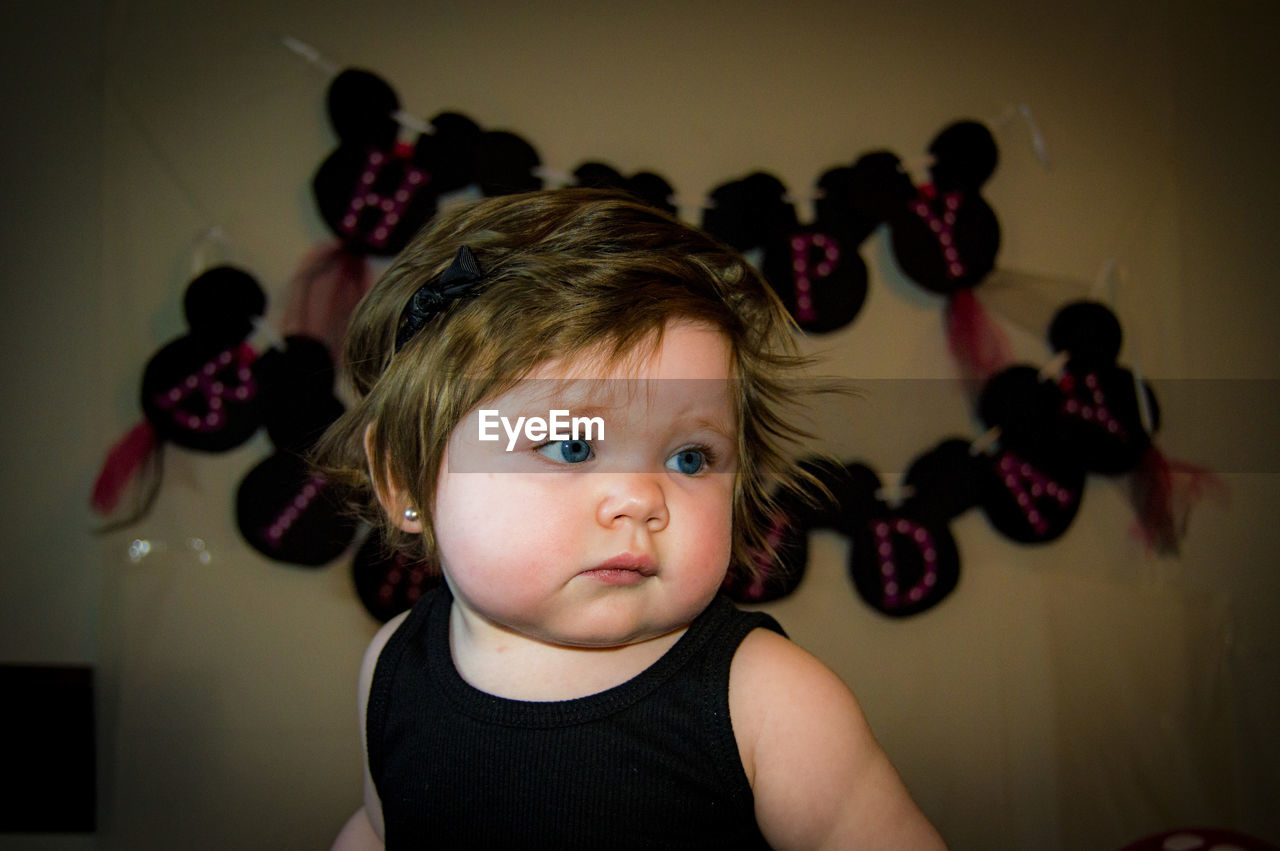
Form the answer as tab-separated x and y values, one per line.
820	778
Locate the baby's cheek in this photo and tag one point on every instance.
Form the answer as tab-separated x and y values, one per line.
511	553
712	526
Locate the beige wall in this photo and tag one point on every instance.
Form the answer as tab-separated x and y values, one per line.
1076	695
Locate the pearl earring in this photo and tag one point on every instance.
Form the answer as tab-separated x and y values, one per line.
411	515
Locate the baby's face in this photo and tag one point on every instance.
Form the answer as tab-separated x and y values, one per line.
597	541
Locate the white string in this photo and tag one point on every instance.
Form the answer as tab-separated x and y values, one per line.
411	122
1038	146
265	332
1037	138
1053	369
310	54
559	177
166	163
213	235
895	494
406	120
1104	286
1145	415
264	335
985	442
554	176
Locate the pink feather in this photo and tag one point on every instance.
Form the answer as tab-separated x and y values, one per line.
323	294
976	342
123	461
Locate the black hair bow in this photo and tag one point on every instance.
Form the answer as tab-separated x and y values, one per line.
459	280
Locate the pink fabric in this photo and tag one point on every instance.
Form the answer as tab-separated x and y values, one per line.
323	294
1163	492
123	461
976	342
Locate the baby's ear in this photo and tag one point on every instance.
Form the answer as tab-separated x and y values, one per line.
392	496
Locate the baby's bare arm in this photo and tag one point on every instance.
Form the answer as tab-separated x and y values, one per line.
364	830
820	779
357	835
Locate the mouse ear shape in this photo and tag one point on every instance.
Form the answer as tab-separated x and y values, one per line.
1088	331
653	189
297	393
645	186
946	481
879	186
965	156
856	487
505	164
449	152
221	304
598	175
1022	406
770	213
837	210
725	216
751	212
362	107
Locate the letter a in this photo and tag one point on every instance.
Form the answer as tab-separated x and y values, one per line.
1033	492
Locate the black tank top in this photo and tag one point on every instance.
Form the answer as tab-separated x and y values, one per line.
651	763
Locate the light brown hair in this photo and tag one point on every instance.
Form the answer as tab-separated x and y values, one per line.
565	272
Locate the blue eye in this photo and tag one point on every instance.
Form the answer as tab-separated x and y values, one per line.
689	461
567	451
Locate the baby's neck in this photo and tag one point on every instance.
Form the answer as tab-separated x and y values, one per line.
517	667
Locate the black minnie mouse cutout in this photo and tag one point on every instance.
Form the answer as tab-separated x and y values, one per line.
372	192
390	581
376	191
944	235
903	559
796	514
1112	418
947	237
378	188
1093	416
815	269
823	286
283	509
1027	474
1034	481
648	187
198	391
1101	399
